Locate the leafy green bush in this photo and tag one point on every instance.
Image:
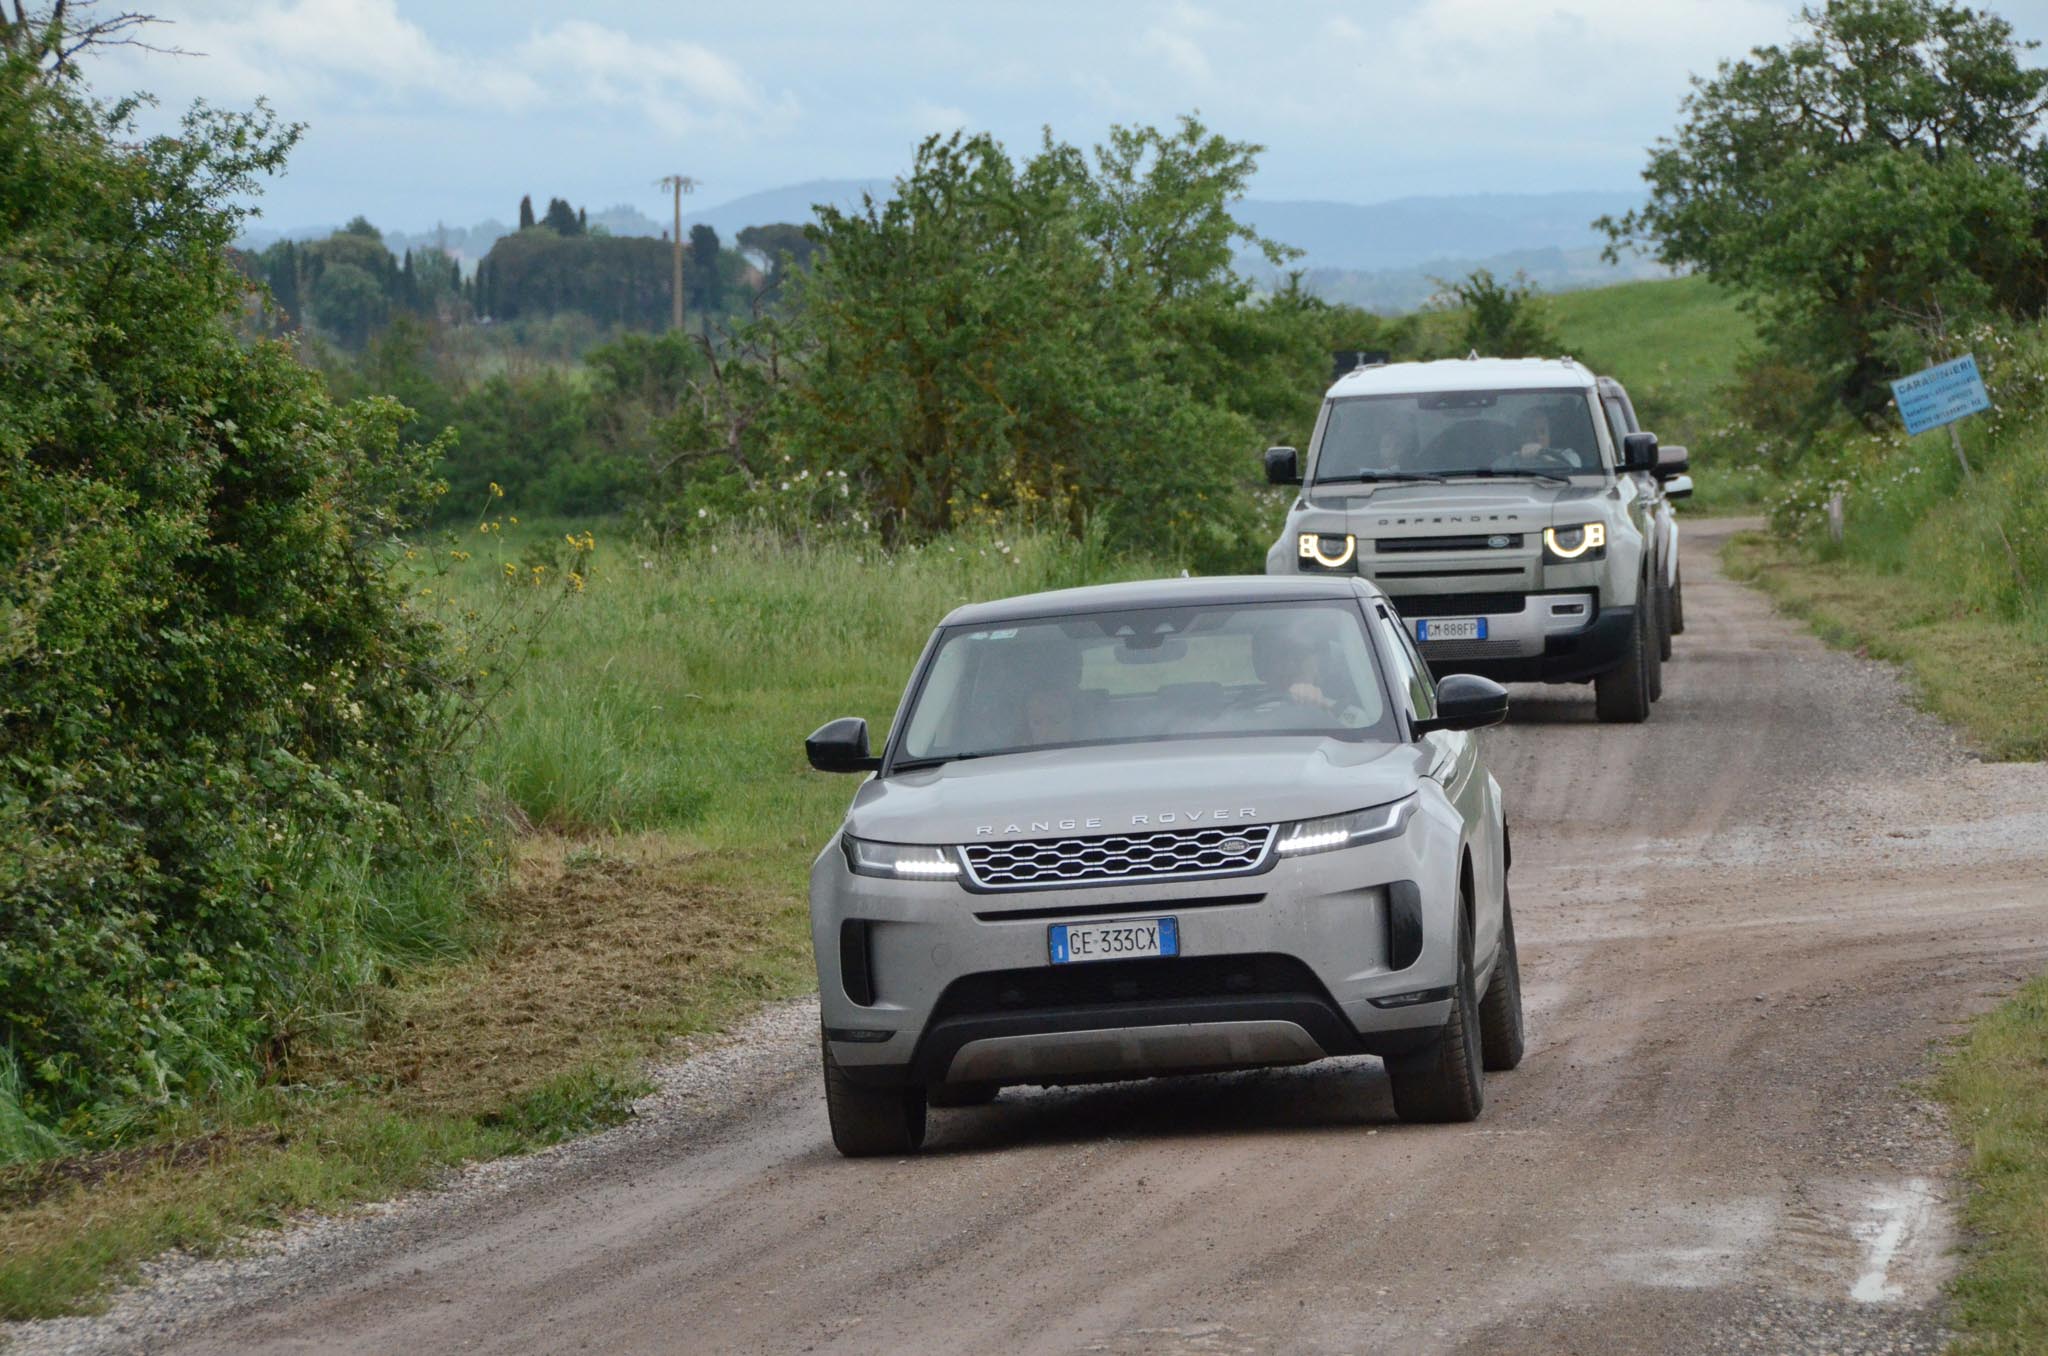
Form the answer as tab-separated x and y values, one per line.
223	727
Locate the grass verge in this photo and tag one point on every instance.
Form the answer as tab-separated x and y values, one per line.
1985	673
650	751
1996	1087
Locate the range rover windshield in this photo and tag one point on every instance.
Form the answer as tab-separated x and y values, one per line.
1458	433
1218	672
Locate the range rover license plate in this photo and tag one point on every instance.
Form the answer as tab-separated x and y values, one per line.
1451	628
1117	939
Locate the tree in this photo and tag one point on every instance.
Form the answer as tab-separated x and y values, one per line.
360	226
1883	166
1061	339
702	285
1502	320
526	213
561	218
217	704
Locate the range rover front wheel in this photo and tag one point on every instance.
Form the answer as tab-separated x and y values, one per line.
1444	1082
870	1121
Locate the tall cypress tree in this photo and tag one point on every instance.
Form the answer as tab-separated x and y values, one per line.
526	212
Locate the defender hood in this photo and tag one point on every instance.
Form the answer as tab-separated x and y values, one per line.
1425	509
1125	787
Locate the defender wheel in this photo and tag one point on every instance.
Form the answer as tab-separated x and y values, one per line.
1622	694
961	1094
1500	1012
1664	631
1653	653
1677	602
870	1121
1444	1082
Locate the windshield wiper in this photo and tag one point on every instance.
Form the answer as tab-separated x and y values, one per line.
1375	477
919	764
1489	472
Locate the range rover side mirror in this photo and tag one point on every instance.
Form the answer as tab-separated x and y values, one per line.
1639	452
1672	460
1283	466
1678	487
1465	701
841	746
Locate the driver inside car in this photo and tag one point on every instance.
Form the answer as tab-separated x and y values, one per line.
1287	667
1537	449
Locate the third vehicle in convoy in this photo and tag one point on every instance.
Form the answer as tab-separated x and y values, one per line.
1492	500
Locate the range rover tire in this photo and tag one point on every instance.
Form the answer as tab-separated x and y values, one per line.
1500	1012
1444	1083
870	1121
962	1094
1622	694
1677	602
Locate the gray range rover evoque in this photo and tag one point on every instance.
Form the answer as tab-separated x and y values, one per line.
1160	828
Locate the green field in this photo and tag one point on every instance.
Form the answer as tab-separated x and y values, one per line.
1675	345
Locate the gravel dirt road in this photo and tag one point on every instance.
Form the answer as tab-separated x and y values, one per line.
1746	927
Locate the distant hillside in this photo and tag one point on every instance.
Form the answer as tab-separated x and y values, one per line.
1382	255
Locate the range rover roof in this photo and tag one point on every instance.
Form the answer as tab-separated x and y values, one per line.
1198	592
1463	374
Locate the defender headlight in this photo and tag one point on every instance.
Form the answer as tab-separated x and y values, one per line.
1585	542
898	861
1332	832
1331	551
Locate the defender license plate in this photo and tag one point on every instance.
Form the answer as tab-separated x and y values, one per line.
1451	628
1116	939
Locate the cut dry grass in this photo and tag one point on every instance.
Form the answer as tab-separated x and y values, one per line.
601	952
1997	1091
1983	673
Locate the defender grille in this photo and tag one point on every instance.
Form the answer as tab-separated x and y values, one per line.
1170	854
1482	542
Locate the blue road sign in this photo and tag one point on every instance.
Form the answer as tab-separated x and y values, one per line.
1941	395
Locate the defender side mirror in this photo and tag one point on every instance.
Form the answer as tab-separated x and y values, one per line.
841	746
1639	452
1678	487
1672	460
1283	466
1465	701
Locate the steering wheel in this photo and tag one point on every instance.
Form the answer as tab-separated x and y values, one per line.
1562	459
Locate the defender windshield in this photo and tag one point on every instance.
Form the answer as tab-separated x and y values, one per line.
1458	433
1154	674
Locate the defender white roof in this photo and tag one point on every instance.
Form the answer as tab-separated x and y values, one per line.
1464	374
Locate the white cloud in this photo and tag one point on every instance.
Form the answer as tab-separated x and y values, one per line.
677	86
926	117
366	53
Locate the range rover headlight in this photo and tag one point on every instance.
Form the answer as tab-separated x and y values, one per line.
1359	827
1588	541
899	861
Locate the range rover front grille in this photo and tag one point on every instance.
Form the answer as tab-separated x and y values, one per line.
1116	859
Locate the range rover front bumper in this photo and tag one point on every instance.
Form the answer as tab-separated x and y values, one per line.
1292	963
1552	638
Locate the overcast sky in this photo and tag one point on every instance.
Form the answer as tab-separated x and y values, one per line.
420	111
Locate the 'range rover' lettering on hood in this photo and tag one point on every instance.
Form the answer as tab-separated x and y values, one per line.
1164	819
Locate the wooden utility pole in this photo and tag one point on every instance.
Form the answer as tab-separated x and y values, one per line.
681	183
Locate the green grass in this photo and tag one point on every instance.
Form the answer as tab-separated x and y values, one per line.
650	751
1996	1088
1982	672
1675	345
